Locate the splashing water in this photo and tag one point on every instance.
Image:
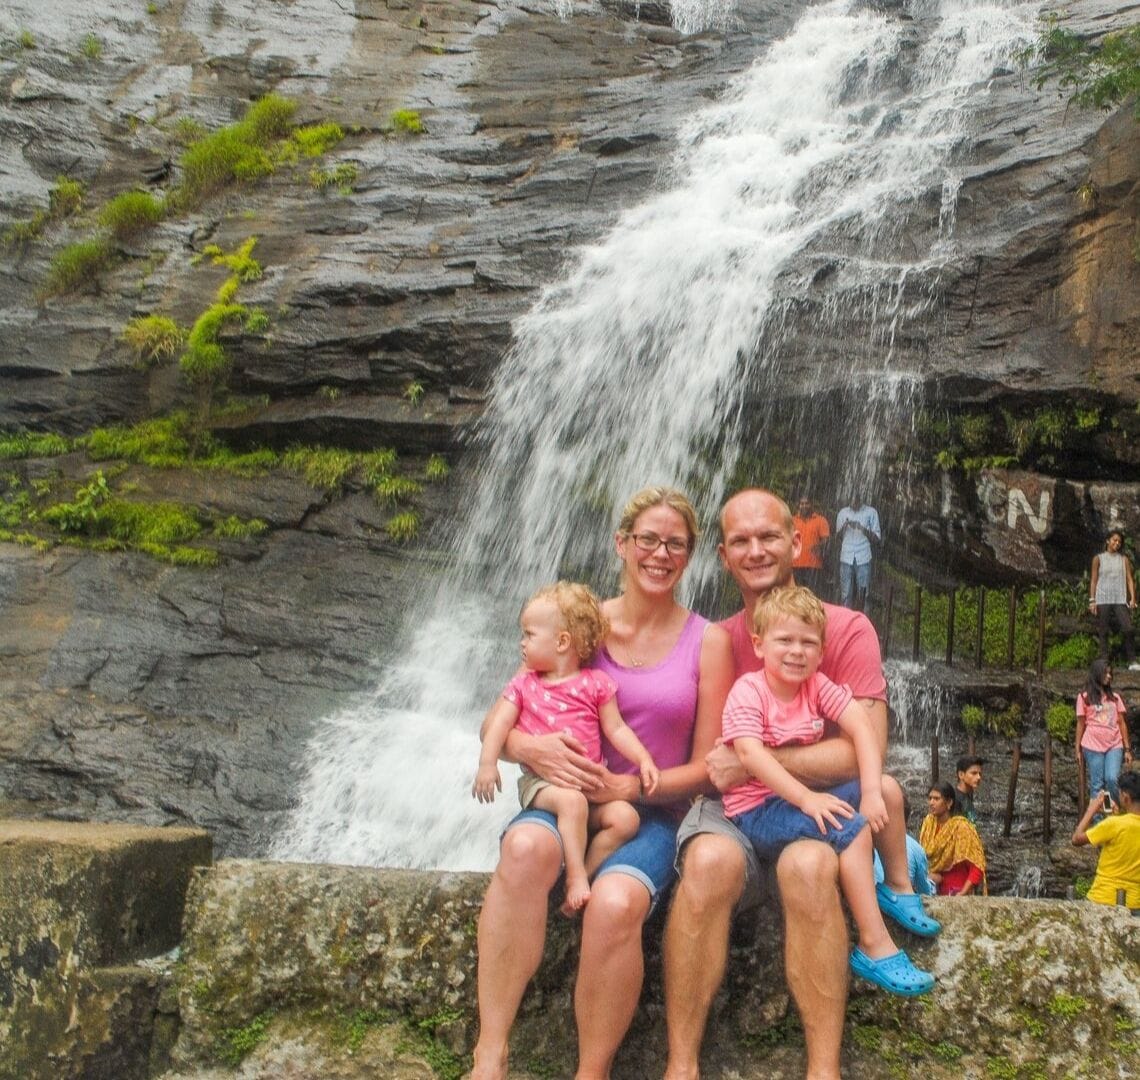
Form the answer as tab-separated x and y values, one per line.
654	359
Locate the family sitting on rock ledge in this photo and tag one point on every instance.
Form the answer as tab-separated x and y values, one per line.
673	671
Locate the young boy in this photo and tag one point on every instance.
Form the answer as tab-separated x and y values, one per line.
787	702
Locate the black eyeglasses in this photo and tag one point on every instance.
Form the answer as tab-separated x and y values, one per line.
650	542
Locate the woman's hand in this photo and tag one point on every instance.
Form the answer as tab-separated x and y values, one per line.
650	776
560	759
614	787
826	809
724	768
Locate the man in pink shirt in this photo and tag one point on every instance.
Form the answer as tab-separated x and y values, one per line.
719	872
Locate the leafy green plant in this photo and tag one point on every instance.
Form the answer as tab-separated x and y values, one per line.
76	265
437	468
1060	720
1008	724
973	718
21	234
316	139
322	467
239	1042
406	122
233	528
341	177
403	527
92	47
154	338
26	39
128	214
1096	76
205	364
65	197
413	393
256	322
80	515
29	445
241	263
396	489
1074	653
187	130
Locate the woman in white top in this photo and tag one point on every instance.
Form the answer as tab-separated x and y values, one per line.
1112	595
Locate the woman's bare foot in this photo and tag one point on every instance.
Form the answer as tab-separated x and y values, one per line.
489	1066
577	896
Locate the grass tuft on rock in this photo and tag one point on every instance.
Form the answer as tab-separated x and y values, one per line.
77	265
154	338
406	122
28	445
132	212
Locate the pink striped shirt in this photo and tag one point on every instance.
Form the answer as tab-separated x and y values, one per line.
752	711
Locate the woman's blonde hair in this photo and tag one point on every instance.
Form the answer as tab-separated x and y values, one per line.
790	600
581	613
649	497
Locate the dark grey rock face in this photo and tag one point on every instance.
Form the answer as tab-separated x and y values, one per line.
146	693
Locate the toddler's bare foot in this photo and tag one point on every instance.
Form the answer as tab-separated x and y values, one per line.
577	895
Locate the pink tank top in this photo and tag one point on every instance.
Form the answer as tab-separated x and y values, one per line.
658	702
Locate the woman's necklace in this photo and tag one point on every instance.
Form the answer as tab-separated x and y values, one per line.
634	661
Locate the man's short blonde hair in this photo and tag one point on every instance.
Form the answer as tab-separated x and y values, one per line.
581	613
789	600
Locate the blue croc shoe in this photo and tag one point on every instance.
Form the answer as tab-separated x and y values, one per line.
894	973
906	909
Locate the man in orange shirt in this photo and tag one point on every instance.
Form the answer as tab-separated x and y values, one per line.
814	534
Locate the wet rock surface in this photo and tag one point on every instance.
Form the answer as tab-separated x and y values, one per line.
142	692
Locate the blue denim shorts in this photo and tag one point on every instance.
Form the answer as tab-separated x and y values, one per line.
776	823
648	857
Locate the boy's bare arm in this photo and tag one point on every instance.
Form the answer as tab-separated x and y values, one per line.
830	762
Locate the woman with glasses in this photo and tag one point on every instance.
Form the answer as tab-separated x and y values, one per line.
673	671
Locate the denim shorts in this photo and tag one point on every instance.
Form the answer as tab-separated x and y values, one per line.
648	857
776	823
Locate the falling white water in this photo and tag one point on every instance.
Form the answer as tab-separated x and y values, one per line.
633	369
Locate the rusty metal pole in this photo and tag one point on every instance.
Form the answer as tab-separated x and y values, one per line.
1012	626
1048	799
950	604
981	627
1014	766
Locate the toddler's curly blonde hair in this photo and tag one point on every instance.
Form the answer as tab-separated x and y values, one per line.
581	613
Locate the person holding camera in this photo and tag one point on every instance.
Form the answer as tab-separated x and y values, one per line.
1118	837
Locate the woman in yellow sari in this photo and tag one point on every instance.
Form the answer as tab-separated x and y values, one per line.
952	845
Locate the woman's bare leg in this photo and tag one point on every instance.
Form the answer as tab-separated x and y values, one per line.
512	933
610	970
612	824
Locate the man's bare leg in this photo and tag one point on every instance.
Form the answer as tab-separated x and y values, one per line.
512	933
815	950
610	970
696	945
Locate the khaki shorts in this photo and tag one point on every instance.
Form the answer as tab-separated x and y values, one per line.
530	784
706	816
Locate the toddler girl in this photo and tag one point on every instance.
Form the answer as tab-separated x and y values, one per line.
562	627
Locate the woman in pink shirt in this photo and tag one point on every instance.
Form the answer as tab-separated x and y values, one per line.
1102	731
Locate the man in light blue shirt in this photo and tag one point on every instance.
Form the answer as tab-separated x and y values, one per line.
856	526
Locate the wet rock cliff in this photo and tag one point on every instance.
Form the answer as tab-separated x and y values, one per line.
481	143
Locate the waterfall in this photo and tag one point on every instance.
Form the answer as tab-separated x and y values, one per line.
662	356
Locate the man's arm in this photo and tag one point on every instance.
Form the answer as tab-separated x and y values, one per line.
1080	833
830	762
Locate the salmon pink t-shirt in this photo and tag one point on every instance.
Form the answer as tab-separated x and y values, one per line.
1102	728
753	711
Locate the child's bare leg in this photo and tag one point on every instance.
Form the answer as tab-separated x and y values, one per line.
857	880
571	810
612	824
890	842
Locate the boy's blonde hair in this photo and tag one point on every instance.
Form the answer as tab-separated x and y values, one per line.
581	613
790	600
649	497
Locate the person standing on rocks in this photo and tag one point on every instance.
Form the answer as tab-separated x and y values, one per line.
814	535
1112	596
1102	730
857	526
719	869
